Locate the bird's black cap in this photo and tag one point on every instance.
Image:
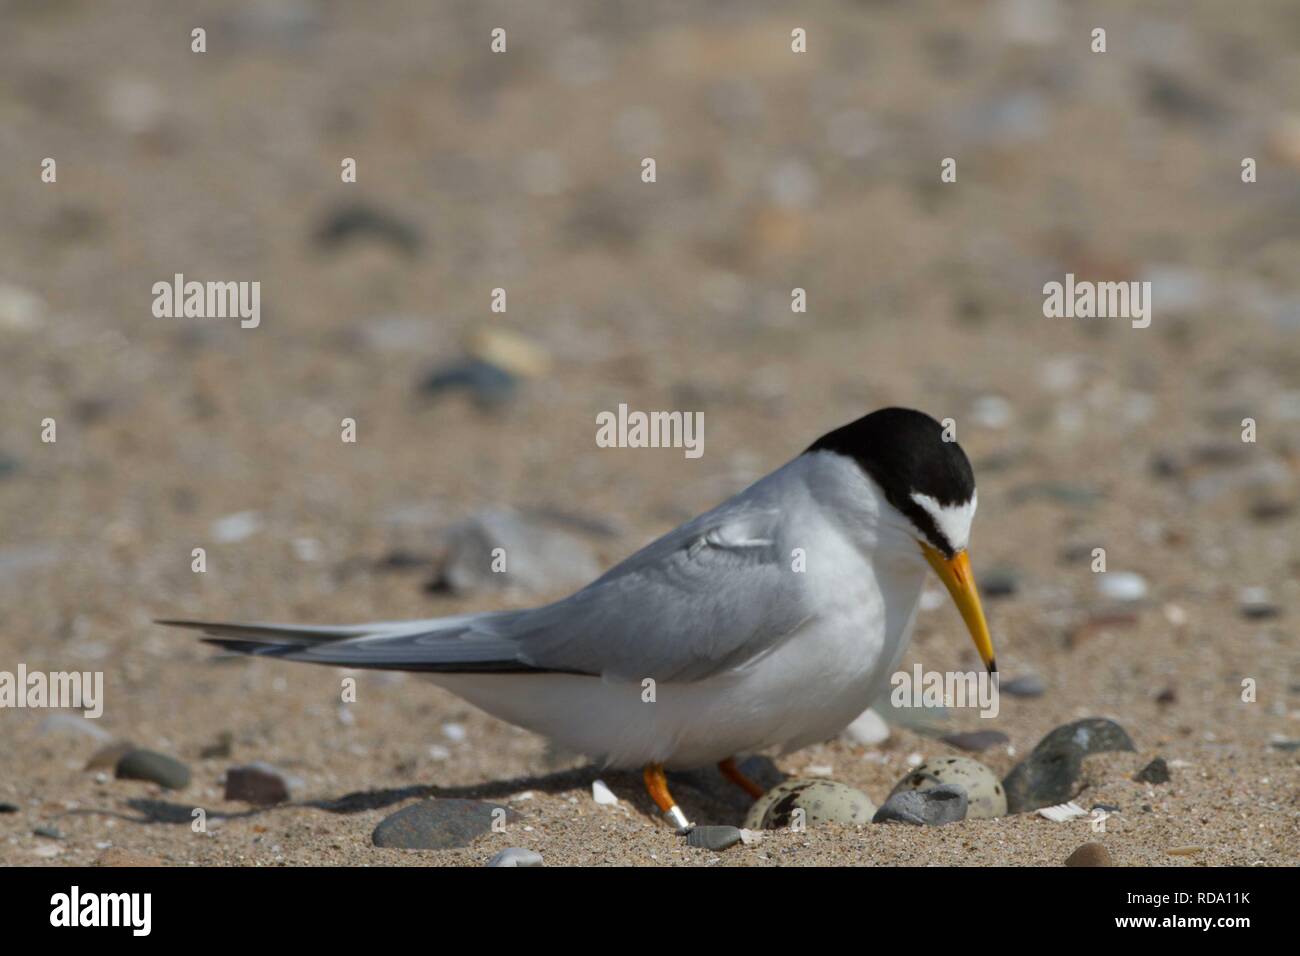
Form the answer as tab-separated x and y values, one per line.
904	451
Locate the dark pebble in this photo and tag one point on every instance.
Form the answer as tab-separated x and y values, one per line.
713	838
998	583
221	749
154	767
1092	735
945	803
489	385
358	220
1157	771
258	784
8	808
400	560
438	824
51	833
1050	774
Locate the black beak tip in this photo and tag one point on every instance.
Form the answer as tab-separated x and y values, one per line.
993	666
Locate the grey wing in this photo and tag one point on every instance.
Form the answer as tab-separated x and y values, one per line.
713	594
710	596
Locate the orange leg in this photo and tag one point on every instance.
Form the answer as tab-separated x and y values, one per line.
732	773
657	784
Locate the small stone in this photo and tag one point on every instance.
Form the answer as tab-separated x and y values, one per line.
1026	685
220	749
1167	696
1090	854
50	833
1092	735
9	808
998	583
351	221
153	767
945	803
235	527
516	856
20	309
1121	586
1157	771
106	757
867	730
1049	775
601	793
713	838
487	384
73	724
259	784
438	824
1256	605
977	740
1184	850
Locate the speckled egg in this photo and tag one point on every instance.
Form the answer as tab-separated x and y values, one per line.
984	792
822	801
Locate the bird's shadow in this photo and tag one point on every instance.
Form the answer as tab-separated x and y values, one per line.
703	794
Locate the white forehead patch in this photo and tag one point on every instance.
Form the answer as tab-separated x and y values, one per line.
953	521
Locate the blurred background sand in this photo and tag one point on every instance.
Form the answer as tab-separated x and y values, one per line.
522	171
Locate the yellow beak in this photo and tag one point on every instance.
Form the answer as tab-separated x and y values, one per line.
957	578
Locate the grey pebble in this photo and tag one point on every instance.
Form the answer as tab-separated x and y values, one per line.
437	824
154	767
999	583
713	838
516	856
1157	771
52	833
1024	686
1050	774
934	807
350	221
489	385
977	740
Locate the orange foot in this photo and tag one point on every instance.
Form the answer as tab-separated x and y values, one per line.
657	784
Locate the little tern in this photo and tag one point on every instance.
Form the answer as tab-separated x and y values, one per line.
772	620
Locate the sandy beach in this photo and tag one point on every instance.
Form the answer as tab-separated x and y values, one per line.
523	171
